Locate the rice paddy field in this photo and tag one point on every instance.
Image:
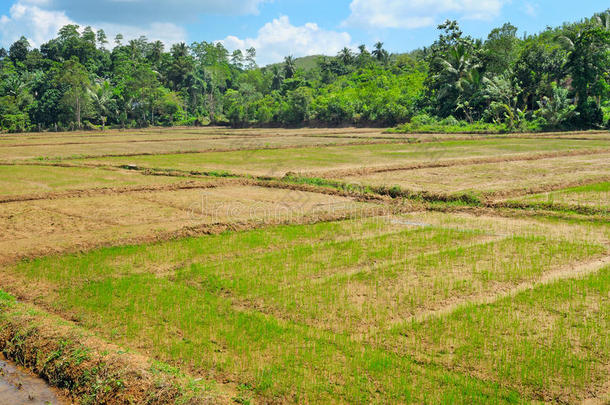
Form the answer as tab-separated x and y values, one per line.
307	266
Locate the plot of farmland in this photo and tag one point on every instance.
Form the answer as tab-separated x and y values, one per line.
503	178
320	160
46	226
45	146
32	181
252	286
551	341
254	304
595	195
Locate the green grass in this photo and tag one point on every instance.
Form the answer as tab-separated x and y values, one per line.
550	342
15	180
593	195
300	313
458	128
278	162
213	248
274	359
6	298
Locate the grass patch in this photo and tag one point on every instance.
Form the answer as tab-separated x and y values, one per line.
86	369
278	162
270	358
458	127
18	180
593	197
299	313
550	342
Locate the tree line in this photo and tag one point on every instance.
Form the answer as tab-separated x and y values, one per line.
556	79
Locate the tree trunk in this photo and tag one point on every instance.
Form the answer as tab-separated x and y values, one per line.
78	112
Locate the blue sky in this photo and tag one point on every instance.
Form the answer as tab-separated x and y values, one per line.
280	27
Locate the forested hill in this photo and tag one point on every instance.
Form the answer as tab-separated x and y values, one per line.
557	79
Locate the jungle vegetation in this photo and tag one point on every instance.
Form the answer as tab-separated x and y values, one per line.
553	80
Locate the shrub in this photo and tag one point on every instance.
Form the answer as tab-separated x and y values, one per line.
590	115
557	111
15	122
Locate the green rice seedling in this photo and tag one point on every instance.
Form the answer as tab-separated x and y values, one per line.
550	343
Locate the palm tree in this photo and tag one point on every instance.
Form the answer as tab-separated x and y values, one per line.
568	39
277	78
156	52
180	50
460	78
289	67
102	101
346	56
380	54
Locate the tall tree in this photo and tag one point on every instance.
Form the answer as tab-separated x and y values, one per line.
289	67
76	78
381	54
18	52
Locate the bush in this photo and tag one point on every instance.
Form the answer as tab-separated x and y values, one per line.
606	112
15	122
423	119
450	126
88	126
450	120
590	115
557	111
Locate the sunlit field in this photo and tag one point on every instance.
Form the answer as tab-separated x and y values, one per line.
135	270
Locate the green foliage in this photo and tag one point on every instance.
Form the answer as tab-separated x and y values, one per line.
449	125
558	110
502	83
6	298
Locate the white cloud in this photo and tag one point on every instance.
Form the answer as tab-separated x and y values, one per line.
411	14
530	9
144	12
40	25
36	24
280	38
167	33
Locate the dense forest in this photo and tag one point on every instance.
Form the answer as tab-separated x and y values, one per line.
556	79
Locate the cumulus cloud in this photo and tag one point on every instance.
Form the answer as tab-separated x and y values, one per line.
31	19
280	38
411	14
145	12
36	24
39	20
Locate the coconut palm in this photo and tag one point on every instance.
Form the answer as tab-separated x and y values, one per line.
102	101
289	67
156	52
381	54
346	56
460	77
276	77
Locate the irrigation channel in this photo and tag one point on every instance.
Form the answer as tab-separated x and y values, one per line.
19	387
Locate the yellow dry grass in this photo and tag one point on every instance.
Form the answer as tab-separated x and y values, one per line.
39	227
504	177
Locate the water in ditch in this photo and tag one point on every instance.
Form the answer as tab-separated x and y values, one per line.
19	387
